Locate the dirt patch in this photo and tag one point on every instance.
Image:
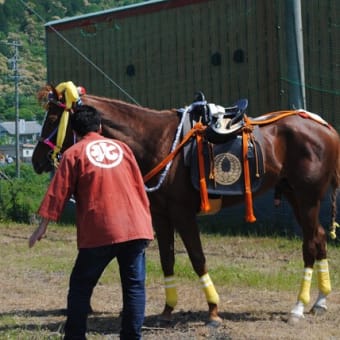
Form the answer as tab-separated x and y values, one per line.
33	302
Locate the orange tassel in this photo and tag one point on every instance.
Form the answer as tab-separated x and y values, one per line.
250	217
205	205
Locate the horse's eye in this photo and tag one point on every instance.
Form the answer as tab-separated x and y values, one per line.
51	96
51	119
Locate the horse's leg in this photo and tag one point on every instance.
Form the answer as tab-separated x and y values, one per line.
321	266
324	283
323	279
165	238
314	249
189	232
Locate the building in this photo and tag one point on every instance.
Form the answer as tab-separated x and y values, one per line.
160	52
29	132
8	153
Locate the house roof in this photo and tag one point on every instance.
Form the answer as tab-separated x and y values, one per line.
25	127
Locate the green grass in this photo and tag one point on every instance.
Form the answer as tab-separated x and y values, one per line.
262	263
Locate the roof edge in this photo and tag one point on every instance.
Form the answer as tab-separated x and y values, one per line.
107	11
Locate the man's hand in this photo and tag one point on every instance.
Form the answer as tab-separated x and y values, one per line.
38	233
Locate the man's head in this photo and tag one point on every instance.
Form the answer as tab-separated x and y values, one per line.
85	119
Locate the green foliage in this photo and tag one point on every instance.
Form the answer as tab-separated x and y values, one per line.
25	24
3	21
20	197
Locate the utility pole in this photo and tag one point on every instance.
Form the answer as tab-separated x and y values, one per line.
295	55
16	77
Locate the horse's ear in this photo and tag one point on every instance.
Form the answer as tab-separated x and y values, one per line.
56	94
42	94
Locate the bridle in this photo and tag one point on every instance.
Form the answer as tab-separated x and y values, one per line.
72	99
54	154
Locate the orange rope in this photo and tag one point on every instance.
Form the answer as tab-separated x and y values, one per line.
197	129
273	117
167	159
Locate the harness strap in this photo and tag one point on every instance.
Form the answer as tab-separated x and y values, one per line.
197	130
272	117
198	127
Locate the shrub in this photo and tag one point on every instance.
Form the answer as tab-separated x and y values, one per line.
20	197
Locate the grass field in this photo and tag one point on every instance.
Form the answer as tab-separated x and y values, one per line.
257	279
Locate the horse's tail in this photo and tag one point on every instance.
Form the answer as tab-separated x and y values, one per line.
335	184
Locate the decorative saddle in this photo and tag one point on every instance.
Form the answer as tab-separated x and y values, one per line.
222	148
224	165
222	122
225	121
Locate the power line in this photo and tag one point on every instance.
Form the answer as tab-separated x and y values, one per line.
82	55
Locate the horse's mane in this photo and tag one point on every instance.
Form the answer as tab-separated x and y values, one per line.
42	96
129	106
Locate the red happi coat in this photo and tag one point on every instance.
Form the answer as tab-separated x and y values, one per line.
111	202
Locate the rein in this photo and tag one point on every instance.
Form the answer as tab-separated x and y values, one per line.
47	140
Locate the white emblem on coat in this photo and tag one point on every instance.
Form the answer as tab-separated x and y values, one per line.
104	153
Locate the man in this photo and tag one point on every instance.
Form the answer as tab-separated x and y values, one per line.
112	217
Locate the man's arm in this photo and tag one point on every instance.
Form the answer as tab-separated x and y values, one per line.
39	232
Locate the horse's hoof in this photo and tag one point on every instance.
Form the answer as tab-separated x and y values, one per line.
318	310
166	315
214	322
163	322
294	319
165	318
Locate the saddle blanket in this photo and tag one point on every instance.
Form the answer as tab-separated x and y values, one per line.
224	167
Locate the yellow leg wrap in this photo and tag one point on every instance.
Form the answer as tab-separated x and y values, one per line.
324	282
304	294
209	289
170	291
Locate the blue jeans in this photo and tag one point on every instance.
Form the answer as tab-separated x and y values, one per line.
88	268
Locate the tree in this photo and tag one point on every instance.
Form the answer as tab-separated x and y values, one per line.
3	20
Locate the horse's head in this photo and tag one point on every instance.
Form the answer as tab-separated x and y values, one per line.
56	134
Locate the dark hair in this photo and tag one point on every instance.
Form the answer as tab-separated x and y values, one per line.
85	119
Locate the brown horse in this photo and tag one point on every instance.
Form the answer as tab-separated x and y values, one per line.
301	155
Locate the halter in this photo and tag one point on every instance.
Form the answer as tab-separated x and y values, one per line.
60	130
71	93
